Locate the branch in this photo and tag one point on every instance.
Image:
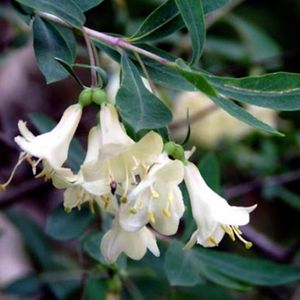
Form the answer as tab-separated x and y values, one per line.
112	40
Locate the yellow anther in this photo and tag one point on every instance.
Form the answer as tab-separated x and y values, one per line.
123	200
91	206
151	216
212	241
68	209
166	212
154	193
133	210
238	233
248	245
229	231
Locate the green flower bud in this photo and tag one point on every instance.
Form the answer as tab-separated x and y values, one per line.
99	96
175	151
85	97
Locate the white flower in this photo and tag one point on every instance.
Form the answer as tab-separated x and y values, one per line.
213	215
156	199
133	244
79	191
52	146
120	158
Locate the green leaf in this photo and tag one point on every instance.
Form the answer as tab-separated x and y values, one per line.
166	20
230	270
196	78
69	69
94	289
193	17
249	270
210	169
68	11
279	91
260	46
34	238
165	14
279	192
28	285
91	245
180	266
44	124
86	5
66	226
51	40
212	5
241	114
139	107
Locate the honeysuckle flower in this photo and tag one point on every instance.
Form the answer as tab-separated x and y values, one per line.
213	215
157	199
120	158
52	147
79	190
133	244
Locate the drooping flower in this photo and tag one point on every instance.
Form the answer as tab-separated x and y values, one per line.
79	190
120	158
133	244
51	148
156	199
213	215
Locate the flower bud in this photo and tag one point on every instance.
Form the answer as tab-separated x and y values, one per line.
86	97
175	151
99	96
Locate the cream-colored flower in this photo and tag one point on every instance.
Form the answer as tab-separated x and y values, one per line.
213	215
79	191
156	199
133	244
120	158
52	146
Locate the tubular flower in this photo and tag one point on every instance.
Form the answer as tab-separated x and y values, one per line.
213	215
51	148
120	158
133	244
156	199
80	191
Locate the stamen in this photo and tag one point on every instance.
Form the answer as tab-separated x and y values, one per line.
238	233
133	210
22	157
154	193
91	206
123	200
166	212
229	231
212	241
151	216
170	197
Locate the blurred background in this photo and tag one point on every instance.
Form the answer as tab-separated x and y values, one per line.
248	37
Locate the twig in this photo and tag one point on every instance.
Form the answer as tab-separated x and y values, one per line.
15	195
94	78
245	188
112	40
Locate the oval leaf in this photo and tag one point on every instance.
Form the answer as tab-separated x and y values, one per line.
193	16
279	91
69	11
138	106
50	41
66	226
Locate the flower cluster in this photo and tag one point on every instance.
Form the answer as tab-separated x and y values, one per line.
137	183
